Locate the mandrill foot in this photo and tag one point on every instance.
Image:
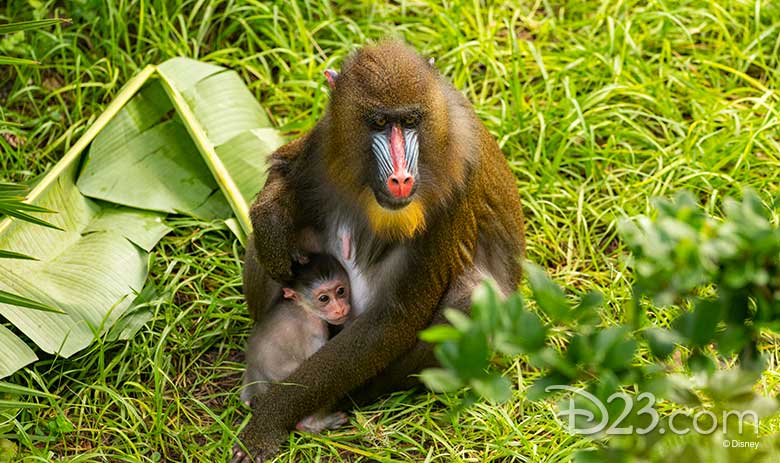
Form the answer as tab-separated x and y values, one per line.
319	422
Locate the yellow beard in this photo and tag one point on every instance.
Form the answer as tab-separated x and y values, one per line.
390	224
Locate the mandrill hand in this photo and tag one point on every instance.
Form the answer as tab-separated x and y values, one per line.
299	257
261	446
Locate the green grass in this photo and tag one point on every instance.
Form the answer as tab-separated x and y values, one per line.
598	106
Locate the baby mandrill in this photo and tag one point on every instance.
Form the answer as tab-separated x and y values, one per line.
296	328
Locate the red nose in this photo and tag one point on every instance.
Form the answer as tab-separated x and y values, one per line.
400	184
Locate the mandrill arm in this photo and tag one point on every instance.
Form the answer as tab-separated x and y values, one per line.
274	221
356	355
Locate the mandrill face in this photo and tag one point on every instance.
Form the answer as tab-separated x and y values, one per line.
387	113
395	152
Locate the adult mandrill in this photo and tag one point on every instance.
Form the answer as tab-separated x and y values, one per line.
401	165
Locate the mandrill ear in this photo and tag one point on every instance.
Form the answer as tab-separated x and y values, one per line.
289	293
331	75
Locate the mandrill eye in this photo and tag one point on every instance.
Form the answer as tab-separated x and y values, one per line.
340	291
379	122
324	299
410	121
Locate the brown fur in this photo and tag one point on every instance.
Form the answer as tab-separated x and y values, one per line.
473	225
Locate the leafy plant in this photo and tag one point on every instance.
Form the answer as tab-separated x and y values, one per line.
12	204
723	274
11	195
683	250
183	137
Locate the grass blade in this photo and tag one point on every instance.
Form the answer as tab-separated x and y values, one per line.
20	301
30	25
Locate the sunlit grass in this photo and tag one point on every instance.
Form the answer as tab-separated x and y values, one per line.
598	106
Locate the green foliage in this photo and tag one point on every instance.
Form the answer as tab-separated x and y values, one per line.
683	249
725	273
12	195
12	204
16	29
193	142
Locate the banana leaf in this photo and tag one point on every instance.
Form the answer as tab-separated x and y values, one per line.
183	137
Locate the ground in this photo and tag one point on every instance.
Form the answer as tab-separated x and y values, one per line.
598	106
